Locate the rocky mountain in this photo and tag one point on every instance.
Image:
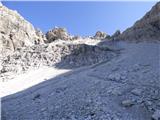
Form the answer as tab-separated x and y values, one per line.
16	32
28	48
147	28
102	78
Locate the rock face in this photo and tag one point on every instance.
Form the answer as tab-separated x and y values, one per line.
116	35
15	31
100	35
147	28
57	33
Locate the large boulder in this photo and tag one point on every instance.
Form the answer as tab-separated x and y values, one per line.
147	28
15	31
57	33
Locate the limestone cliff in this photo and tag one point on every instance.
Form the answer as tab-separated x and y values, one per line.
15	31
147	28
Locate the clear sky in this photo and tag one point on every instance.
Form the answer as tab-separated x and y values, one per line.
82	18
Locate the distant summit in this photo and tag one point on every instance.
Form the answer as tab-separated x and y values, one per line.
147	28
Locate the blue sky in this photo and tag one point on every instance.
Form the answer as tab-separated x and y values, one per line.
81	18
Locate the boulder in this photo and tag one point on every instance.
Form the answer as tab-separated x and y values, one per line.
57	33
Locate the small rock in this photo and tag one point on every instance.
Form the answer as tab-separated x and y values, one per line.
127	103
43	109
115	76
148	103
37	97
156	115
136	92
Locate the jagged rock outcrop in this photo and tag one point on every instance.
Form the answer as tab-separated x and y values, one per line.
116	35
100	35
15	31
147	28
57	33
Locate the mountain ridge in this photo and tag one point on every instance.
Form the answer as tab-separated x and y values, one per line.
146	28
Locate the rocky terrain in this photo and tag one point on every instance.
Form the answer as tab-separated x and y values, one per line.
22	47
59	54
16	32
147	28
93	78
125	88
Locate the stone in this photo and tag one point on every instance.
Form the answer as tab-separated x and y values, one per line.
116	76
15	31
57	33
100	35
147	28
116	34
156	115
127	103
137	91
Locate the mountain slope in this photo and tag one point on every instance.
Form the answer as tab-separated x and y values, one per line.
15	31
147	28
125	88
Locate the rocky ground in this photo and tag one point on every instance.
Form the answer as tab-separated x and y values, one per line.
62	55
125	88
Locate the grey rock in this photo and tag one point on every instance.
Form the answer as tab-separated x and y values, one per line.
156	115
147	28
15	31
115	76
116	34
137	91
57	33
100	35
127	103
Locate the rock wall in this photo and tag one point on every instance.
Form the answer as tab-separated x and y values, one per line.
15	31
147	28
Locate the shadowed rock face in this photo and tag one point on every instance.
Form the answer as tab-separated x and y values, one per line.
15	31
147	28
